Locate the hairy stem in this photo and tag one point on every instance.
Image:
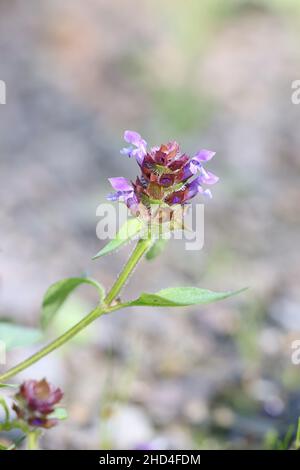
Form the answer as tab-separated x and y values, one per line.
142	246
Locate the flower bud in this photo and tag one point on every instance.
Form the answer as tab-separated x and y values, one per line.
35	401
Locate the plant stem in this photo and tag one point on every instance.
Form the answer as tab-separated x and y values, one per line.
297	444
142	246
32	440
97	312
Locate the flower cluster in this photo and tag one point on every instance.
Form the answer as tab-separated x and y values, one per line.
35	401
168	177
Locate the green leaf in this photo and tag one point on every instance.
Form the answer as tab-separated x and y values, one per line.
15	336
58	293
126	233
8	386
181	296
156	249
59	413
14	424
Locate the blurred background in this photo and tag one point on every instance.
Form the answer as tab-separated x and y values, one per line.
210	74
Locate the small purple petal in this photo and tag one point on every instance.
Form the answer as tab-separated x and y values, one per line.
37	421
207	177
114	196
204	155
120	196
207	193
193	188
132	204
191	168
133	138
139	154
120	184
194	167
126	151
187	173
124	189
132	152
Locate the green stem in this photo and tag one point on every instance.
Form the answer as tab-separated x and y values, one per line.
298	436
142	246
53	345
33	440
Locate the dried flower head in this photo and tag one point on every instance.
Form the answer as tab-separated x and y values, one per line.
35	401
168	177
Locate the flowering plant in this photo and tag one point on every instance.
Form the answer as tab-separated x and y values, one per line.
167	182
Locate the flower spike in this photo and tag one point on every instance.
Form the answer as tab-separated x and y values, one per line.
35	401
168	177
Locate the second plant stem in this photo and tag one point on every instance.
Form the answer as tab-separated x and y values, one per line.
141	248
33	440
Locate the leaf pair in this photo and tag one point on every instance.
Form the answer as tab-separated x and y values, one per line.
171	297
15	336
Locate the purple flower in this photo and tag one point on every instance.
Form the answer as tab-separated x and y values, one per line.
40	395
35	401
195	164
168	177
136	141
